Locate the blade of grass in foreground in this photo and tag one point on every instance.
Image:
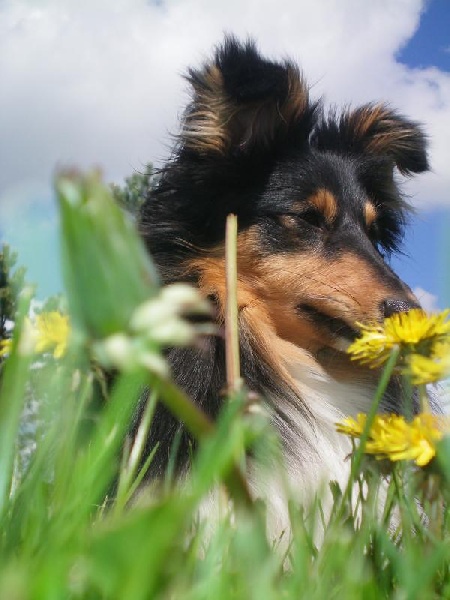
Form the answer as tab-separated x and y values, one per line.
13	382
94	468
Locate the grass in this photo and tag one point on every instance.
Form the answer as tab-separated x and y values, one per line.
63	535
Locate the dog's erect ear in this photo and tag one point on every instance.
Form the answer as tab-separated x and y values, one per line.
380	131
384	132
242	102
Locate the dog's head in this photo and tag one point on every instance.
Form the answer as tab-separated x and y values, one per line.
316	194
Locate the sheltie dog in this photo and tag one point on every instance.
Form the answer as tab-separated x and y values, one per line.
319	210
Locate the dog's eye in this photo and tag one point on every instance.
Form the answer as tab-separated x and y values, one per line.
313	218
310	216
297	220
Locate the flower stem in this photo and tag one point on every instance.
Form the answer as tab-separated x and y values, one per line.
382	385
423	398
200	426
183	407
358	454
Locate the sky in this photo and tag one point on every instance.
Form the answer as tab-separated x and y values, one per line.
99	83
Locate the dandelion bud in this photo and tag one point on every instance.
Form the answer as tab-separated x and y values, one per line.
107	270
154	362
115	351
174	332
186	298
151	314
127	354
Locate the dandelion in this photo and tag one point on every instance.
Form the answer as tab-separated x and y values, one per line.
392	437
352	427
52	333
5	347
414	333
430	369
49	332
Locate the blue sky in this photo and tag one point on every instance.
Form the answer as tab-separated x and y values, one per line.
95	86
430	45
427	261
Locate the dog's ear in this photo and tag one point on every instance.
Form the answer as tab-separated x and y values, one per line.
242	102
378	130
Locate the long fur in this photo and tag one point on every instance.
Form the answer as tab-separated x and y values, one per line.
319	210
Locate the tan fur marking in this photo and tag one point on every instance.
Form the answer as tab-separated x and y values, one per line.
204	128
219	122
325	203
278	353
297	98
363	118
394	133
370	214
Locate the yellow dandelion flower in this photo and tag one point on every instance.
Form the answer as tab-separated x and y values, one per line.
392	437
5	347
417	326
373	347
413	332
424	369
352	427
52	333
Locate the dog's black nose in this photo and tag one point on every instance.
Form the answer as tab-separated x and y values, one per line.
392	306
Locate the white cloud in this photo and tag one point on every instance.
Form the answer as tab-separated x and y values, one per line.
99	82
428	301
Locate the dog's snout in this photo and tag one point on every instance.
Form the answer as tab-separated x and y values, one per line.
392	305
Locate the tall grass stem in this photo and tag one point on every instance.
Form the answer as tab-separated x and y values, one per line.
231	308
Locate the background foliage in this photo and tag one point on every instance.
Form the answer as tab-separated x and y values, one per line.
136	188
11	282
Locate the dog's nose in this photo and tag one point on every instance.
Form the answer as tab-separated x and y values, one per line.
391	306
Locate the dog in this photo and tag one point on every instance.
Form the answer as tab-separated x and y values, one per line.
319	210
